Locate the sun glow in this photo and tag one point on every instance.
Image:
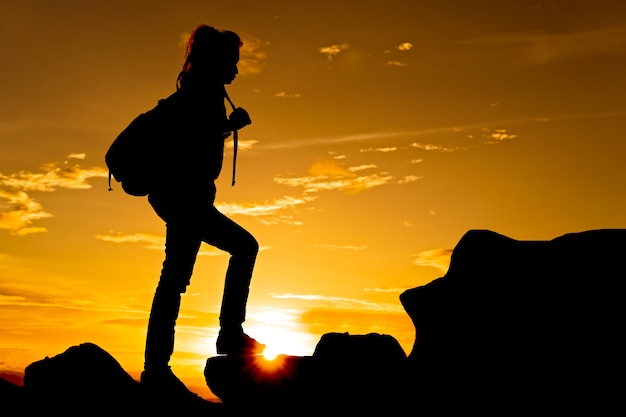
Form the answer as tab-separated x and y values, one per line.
282	331
275	371
270	353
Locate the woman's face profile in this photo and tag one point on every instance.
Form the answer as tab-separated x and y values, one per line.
229	73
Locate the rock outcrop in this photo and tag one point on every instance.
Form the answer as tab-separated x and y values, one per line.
514	327
346	375
523	325
86	380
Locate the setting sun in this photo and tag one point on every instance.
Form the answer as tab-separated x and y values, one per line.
270	354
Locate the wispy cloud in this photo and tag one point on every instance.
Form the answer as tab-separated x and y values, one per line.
497	135
341	247
383	149
391	290
400	48
253	55
20	294
399	64
432	147
539	47
332	50
436	258
324	301
19	210
52	177
328	175
409	134
154	242
149	241
364	137
242	145
362	167
284	94
263	209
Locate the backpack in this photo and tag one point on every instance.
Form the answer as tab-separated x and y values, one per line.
138	154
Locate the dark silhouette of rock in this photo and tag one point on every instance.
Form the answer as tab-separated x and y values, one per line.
513	327
86	380
522	325
11	397
346	373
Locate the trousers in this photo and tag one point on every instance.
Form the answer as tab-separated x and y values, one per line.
185	233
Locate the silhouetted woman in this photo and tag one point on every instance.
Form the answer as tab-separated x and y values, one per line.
184	199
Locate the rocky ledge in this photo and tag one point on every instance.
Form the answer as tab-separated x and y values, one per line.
513	327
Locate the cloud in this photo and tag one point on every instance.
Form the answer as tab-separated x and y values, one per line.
263	209
364	137
149	241
436	258
497	135
395	136
53	176
18	209
27	299
403	47
242	145
284	94
343	303
384	149
409	178
253	55
391	290
356	184
155	242
341	247
432	147
538	47
328	175
20	212
362	167
332	50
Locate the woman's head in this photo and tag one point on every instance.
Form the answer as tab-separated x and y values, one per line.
211	56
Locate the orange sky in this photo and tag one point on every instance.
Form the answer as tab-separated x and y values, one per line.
382	132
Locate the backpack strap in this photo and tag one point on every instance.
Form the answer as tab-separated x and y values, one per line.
235	138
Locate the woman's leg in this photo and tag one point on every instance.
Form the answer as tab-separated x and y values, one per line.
225	234
181	247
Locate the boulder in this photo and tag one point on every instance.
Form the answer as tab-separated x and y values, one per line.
353	374
87	380
522	324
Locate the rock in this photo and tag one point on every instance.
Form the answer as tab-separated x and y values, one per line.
84	377
522	324
513	327
11	397
86	380
346	373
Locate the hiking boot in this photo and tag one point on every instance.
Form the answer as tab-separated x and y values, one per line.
237	344
162	381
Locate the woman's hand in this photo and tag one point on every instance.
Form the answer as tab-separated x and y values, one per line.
239	118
